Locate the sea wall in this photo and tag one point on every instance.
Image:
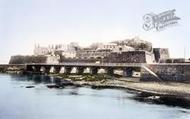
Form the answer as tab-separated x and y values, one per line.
12	68
167	72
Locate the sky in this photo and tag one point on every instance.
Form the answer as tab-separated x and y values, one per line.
24	23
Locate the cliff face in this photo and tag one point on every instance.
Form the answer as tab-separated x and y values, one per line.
19	59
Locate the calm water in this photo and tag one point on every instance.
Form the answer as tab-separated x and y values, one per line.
19	102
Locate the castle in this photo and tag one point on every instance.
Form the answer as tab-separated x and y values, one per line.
132	50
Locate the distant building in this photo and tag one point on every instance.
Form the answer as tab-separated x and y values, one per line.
92	54
52	59
122	48
102	52
108	46
132	50
38	50
68	51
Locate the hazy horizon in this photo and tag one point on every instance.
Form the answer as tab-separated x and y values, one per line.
26	23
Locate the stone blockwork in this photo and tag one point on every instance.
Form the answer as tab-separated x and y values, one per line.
128	57
168	72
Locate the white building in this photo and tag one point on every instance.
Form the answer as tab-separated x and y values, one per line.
52	59
123	48
68	51
108	46
38	50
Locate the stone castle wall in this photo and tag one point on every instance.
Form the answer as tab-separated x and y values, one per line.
127	57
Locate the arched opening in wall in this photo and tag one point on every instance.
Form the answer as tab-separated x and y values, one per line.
120	49
74	70
101	71
87	70
42	69
52	69
99	58
62	70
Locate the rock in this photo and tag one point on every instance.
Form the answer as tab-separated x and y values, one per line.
66	83
102	81
73	93
30	86
54	86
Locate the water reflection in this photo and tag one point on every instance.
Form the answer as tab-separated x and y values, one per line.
37	79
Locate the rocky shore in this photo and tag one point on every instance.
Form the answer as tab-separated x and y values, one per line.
159	88
170	93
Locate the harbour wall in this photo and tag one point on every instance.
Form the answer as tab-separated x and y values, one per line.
177	72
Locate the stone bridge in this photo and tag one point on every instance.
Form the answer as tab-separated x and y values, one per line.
179	72
127	68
